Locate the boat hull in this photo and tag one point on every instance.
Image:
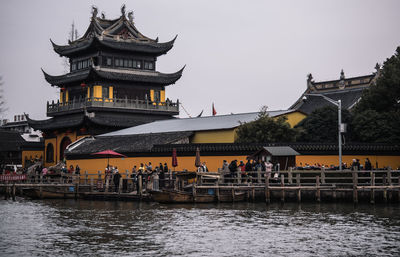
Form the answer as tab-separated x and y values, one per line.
35	193
166	196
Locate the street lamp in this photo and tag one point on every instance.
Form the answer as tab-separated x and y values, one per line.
338	103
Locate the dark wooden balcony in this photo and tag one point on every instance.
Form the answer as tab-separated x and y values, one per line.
112	104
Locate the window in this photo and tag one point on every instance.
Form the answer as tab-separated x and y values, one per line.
106	92
148	65
125	62
49	153
79	65
136	64
109	61
73	66
156	96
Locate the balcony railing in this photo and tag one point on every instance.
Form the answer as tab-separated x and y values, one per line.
112	103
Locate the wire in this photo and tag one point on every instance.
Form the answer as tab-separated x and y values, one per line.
185	110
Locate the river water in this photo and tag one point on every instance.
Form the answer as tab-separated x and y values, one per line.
97	228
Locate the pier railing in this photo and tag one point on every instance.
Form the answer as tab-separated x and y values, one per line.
317	185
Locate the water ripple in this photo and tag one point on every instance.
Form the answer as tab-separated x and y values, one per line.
90	228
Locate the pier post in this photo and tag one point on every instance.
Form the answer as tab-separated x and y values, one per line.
6	191
107	184
283	188
91	184
40	188
334	192
290	176
13	192
259	175
323	175
86	177
267	193
317	186
398	192
140	185
299	187
389	176
372	189
120	185
355	182
384	183
217	191
233	194
239	175
194	192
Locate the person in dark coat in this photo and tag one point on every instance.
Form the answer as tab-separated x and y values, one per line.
233	168
116	178
368	165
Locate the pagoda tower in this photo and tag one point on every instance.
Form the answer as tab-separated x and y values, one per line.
112	84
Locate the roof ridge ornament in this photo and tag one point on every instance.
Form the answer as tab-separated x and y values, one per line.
341	82
123	10
130	16
310	81
94	11
103	15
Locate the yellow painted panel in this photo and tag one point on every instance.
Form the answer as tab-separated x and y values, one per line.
162	96
28	155
110	89
61	96
97	92
151	95
88	92
294	118
328	160
66	96
214	136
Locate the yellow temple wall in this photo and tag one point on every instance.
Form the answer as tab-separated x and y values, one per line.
214	136
31	155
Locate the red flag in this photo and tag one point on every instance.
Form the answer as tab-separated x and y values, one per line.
214	112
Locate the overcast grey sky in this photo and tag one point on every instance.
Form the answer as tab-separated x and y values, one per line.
240	55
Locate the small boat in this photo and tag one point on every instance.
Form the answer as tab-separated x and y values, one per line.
48	193
173	196
226	197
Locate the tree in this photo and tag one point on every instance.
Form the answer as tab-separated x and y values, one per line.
377	115
322	125
266	129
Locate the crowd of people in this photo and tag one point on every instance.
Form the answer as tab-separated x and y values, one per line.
355	165
151	178
249	169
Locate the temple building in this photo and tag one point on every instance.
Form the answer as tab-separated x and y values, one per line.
348	90
113	84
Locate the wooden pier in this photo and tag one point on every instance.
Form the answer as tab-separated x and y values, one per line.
293	185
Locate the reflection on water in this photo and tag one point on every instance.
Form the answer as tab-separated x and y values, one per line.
69	227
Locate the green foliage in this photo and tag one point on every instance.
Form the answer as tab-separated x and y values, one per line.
377	115
372	126
266	129
383	96
322	125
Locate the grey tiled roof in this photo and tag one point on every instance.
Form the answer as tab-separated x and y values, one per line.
281	150
125	144
115	74
348	97
195	124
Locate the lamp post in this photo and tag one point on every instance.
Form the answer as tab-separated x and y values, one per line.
338	103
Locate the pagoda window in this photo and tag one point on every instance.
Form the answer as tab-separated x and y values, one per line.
106	92
148	65
137	64
73	66
109	61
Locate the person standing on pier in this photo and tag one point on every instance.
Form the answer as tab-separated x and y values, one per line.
116	178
